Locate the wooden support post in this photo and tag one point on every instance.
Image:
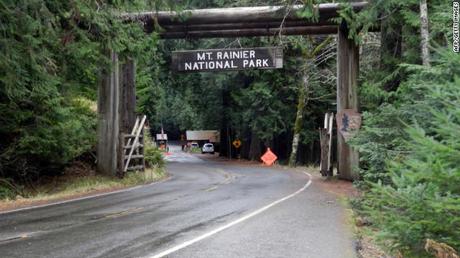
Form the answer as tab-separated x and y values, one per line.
127	107
325	138
121	155
108	119
142	149
347	98
128	95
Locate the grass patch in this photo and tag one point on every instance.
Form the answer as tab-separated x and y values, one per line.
195	150
97	182
67	187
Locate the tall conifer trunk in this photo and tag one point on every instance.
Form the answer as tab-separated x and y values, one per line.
424	33
254	149
303	97
302	100
391	50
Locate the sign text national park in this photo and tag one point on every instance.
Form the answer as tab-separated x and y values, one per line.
227	59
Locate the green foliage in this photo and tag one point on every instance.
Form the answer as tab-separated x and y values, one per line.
409	143
8	190
308	11
195	150
412	149
153	157
51	56
382	138
261	106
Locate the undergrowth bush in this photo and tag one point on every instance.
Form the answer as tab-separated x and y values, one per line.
7	189
153	157
413	192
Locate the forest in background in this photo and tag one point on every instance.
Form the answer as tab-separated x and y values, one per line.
52	53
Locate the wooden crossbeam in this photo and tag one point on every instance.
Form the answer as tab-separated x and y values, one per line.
235	14
237	21
131	136
241	25
127	147
301	30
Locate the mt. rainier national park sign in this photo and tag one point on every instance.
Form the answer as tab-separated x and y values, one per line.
227	59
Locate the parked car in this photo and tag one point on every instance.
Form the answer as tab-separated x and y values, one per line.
194	145
208	148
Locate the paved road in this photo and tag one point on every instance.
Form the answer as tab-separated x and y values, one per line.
205	199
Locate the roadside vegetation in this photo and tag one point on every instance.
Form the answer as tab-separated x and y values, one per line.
73	186
409	144
80	179
52	53
51	56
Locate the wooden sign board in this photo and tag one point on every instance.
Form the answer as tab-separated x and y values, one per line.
227	59
203	135
162	137
348	123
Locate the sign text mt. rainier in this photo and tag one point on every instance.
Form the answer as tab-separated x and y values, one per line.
227	59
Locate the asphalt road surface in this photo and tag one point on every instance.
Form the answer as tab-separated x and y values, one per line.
207	208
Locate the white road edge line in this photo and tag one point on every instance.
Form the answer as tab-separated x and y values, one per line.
85	197
231	224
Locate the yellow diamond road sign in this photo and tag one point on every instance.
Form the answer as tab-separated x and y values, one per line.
237	143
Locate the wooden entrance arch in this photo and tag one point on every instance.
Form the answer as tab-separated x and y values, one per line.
116	98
